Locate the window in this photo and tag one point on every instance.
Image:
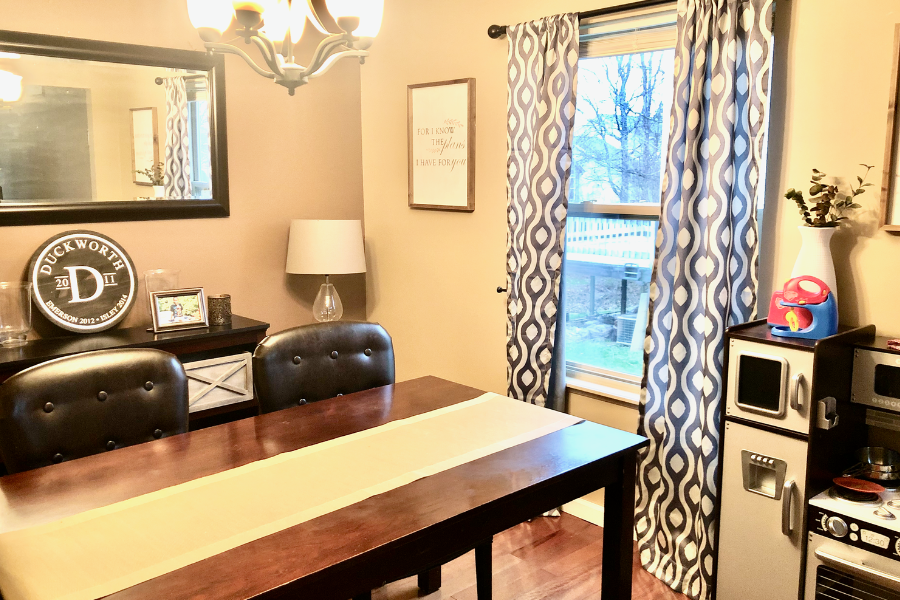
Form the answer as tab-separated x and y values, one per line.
621	129
198	126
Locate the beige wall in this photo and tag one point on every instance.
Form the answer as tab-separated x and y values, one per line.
831	101
289	157
434	273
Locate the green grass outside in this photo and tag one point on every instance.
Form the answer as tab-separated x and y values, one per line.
606	355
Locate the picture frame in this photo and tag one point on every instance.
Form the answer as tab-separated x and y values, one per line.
144	142
441	145
174	310
890	181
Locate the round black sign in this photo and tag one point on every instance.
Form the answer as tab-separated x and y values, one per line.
83	281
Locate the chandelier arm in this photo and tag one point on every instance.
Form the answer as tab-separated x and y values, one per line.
267	49
325	50
334	58
228	49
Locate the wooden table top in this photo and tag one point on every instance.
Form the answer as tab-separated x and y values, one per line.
328	549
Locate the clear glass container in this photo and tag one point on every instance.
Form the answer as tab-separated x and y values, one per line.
159	280
328	305
15	313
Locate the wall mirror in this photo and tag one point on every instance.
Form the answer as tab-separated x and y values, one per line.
98	131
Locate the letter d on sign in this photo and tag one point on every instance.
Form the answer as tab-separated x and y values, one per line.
73	282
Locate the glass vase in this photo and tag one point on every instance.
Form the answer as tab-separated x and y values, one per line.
15	313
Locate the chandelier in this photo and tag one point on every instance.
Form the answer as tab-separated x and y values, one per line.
276	26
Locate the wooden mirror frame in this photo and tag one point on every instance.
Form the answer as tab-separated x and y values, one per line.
102	211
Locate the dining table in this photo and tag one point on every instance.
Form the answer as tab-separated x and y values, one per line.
406	529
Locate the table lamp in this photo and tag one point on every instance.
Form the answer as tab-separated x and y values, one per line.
320	247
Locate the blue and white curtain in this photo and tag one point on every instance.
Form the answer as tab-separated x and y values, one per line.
543	62
178	140
705	278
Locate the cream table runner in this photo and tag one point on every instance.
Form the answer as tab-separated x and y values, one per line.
108	549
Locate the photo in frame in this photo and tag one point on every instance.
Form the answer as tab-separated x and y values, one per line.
441	140
173	310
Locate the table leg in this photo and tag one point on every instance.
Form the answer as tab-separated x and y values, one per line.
483	575
618	534
430	581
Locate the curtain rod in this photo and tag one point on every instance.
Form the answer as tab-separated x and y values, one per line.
496	31
159	80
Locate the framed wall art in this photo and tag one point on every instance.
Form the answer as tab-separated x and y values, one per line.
890	181
144	143
178	309
441	134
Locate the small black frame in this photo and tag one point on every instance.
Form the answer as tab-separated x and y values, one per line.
95	212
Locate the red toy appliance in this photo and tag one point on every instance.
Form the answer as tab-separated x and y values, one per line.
795	293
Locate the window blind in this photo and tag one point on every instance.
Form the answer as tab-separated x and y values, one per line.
628	32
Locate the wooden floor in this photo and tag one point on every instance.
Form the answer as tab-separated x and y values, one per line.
553	558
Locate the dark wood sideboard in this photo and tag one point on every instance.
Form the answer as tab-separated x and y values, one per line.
188	345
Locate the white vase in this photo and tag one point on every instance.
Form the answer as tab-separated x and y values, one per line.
159	191
815	256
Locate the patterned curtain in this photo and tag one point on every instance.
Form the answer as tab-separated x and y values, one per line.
178	140
543	61
704	279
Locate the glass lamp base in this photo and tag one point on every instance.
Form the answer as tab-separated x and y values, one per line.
328	305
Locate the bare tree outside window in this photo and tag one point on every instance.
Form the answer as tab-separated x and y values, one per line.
623	102
621	133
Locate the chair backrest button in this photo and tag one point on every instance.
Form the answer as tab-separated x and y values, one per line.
102	396
48	407
148	386
296	360
110	445
301	401
368	352
57	458
334	354
157	433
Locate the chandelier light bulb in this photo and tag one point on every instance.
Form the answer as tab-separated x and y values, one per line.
297	19
210	17
277	17
10	87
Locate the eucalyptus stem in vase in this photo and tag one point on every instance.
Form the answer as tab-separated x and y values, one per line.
827	205
822	214
157	176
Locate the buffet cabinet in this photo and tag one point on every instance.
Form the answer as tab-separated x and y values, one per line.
216	359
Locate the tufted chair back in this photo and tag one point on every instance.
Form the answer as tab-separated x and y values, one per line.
89	403
319	361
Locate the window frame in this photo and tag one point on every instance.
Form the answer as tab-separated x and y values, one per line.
580	376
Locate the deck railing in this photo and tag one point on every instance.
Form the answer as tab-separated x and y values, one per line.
616	238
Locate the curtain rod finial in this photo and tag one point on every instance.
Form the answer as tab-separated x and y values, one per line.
495	31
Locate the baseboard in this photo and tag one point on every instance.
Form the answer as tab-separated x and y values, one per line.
585	510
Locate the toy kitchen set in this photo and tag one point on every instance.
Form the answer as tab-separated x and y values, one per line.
810	491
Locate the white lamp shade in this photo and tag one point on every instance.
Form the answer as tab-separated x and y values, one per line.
214	14
368	11
320	247
10	87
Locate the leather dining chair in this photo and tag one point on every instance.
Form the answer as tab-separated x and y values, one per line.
323	360
90	403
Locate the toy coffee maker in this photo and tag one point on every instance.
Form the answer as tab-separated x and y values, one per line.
805	308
